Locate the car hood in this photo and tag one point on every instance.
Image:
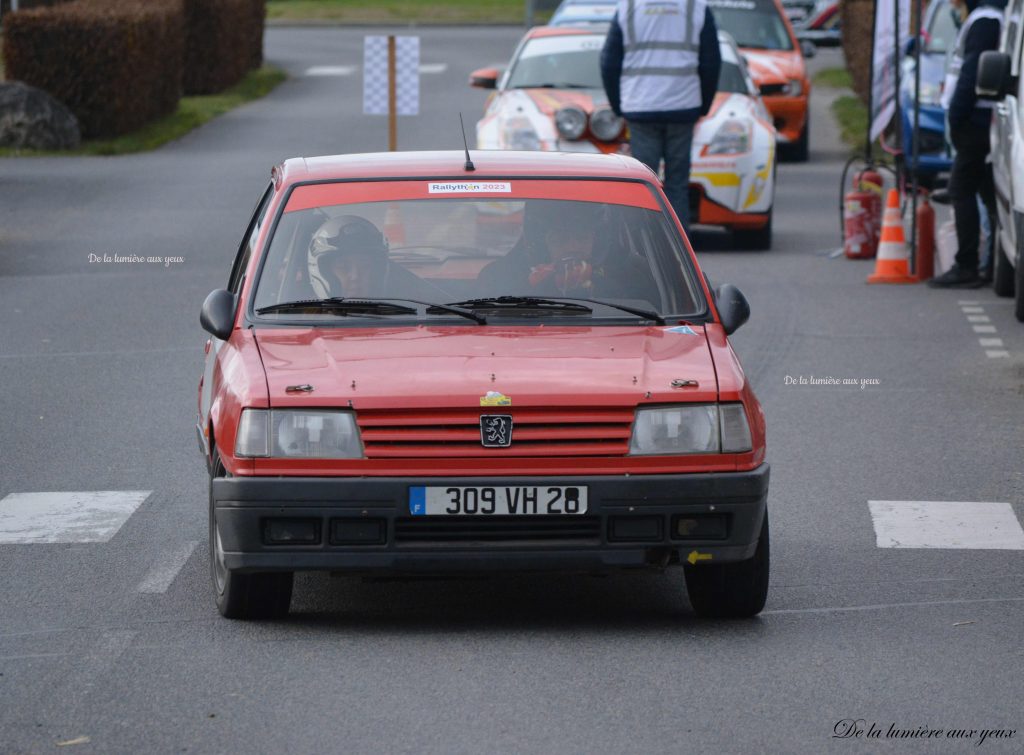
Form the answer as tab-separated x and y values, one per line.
550	101
458	366
774	66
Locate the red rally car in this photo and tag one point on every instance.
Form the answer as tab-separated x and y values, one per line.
422	365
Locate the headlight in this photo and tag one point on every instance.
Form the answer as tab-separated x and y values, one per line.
571	122
520	134
732	138
606	125
298	434
794	88
690	429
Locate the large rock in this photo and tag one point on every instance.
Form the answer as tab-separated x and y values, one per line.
32	119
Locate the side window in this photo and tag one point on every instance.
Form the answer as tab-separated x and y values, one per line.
249	242
1012	35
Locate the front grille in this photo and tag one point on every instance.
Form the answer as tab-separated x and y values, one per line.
931	141
462	530
768	90
456	433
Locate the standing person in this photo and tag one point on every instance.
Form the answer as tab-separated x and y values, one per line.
660	66
969	121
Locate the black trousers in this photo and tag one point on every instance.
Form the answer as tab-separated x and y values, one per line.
970	178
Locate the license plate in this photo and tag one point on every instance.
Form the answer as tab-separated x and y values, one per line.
526	500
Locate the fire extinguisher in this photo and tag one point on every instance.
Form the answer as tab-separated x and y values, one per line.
862	215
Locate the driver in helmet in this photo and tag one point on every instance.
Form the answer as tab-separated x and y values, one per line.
554	256
348	257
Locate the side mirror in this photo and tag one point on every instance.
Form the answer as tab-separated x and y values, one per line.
218	314
484	78
808	48
993	80
733	307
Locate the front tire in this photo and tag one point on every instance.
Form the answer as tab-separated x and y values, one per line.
759	239
731	591
800	150
244	596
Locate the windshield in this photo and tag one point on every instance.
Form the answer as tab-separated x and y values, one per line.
575	62
453	250
566	61
941	32
752	24
731	79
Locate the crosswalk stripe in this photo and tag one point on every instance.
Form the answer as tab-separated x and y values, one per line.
66	517
983	525
163	572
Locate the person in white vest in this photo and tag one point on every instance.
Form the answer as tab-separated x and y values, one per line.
660	66
969	120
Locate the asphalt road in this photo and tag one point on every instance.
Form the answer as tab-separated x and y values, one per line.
116	646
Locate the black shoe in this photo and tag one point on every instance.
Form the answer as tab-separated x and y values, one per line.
956	277
940	196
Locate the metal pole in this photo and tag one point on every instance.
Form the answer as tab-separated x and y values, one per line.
915	140
392	97
871	83
901	164
529	13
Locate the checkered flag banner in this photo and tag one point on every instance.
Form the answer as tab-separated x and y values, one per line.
407	75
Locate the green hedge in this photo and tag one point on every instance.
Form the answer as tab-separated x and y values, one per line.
116	63
224	39
119	64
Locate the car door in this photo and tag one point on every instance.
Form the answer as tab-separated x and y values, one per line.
235	281
1004	126
1011	151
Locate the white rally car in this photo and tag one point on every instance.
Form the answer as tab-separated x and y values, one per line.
551	98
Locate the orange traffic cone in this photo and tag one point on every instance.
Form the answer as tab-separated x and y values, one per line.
892	265
394	228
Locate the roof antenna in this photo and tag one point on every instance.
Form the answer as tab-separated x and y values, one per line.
469	163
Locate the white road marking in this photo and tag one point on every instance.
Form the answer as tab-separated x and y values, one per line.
427	68
964	301
991	342
997	354
984	328
74	517
331	71
164	571
972	310
979	525
978	318
880	606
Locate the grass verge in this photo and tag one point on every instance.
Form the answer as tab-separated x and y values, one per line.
834	78
404	11
192	112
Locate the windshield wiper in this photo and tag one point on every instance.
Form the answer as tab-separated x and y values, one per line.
644	313
433	309
341	306
525	302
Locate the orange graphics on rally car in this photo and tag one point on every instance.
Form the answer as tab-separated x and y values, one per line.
395	383
766	39
551	98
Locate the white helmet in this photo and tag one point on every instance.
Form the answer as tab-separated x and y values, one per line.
346	234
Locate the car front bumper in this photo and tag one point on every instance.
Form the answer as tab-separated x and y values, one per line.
632	522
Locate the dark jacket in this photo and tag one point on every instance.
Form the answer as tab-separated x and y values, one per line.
983	35
708	67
